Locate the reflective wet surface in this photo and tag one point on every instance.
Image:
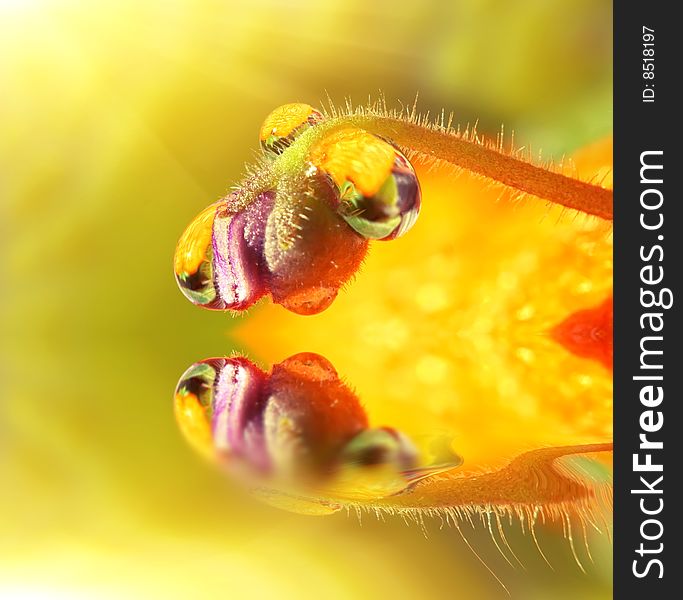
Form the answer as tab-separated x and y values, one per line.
298	428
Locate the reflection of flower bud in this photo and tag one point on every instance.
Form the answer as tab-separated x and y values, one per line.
297	435
297	423
310	416
382	446
292	422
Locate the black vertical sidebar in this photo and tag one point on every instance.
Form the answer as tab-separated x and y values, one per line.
647	240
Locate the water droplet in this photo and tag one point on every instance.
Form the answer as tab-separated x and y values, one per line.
282	126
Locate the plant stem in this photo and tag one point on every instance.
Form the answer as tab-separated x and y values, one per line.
515	484
483	160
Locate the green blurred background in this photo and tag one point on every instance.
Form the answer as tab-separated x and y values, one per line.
118	122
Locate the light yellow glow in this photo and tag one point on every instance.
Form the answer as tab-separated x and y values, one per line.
119	121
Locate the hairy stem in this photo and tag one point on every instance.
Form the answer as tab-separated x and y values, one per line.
483	160
515	484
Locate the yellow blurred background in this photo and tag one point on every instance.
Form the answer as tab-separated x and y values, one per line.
119	121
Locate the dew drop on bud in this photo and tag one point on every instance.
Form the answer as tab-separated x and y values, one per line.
282	126
379	194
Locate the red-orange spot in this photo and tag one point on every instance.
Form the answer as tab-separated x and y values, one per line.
587	333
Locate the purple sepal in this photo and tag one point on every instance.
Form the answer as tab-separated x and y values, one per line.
237	244
239	404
